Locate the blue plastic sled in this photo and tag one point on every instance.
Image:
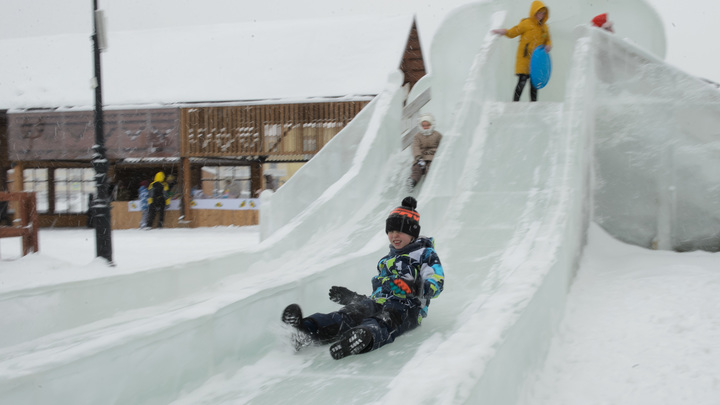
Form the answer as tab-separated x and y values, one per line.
540	67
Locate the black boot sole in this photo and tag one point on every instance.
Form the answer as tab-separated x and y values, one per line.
354	341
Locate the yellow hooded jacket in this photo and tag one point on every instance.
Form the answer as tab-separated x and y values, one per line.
160	180
532	33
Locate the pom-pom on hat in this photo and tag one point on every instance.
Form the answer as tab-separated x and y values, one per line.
404	218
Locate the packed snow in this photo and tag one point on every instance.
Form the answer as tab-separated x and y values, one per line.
641	327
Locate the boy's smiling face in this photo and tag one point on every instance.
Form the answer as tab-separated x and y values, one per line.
399	239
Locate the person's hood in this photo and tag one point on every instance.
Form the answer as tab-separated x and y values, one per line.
160	176
535	7
429	118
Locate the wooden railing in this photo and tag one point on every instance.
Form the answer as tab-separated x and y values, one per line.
410	114
27	213
263	130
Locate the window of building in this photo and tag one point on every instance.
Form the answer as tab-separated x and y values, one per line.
215	182
69	191
72	187
36	180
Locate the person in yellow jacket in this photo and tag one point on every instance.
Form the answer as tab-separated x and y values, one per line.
158	199
533	32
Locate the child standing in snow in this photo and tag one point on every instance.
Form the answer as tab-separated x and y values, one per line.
409	276
424	146
143	195
533	32
157	200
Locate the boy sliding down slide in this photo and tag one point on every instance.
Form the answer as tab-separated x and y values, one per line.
409	276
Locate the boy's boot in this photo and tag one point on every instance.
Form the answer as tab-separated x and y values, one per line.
292	315
354	341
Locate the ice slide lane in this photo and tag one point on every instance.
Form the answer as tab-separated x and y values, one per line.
517	193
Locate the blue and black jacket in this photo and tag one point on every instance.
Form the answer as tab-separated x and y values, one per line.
419	266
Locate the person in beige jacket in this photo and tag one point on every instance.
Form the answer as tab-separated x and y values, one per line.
424	147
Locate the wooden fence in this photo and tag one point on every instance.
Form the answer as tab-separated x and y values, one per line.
263	130
27	213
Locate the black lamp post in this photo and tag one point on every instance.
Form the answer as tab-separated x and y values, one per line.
100	207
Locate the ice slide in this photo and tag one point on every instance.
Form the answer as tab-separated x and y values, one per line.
508	200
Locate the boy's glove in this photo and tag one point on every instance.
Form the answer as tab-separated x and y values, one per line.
400	287
342	295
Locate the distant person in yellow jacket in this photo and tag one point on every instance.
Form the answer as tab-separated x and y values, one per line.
158	199
533	32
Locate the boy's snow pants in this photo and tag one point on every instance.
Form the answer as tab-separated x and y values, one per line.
385	321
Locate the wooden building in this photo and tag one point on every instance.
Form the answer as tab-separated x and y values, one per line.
187	134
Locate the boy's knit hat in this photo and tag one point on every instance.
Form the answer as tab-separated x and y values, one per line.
404	218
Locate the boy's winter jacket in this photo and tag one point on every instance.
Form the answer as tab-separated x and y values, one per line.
419	266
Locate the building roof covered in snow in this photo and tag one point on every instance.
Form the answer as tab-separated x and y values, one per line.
278	60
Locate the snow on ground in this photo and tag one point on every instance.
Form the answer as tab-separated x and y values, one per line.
67	254
641	326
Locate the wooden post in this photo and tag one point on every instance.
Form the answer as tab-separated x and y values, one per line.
4	162
256	179
51	189
30	223
186	181
19	177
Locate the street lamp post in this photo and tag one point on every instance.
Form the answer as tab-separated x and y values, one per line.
100	205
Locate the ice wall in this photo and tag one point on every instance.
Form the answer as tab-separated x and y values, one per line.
657	150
